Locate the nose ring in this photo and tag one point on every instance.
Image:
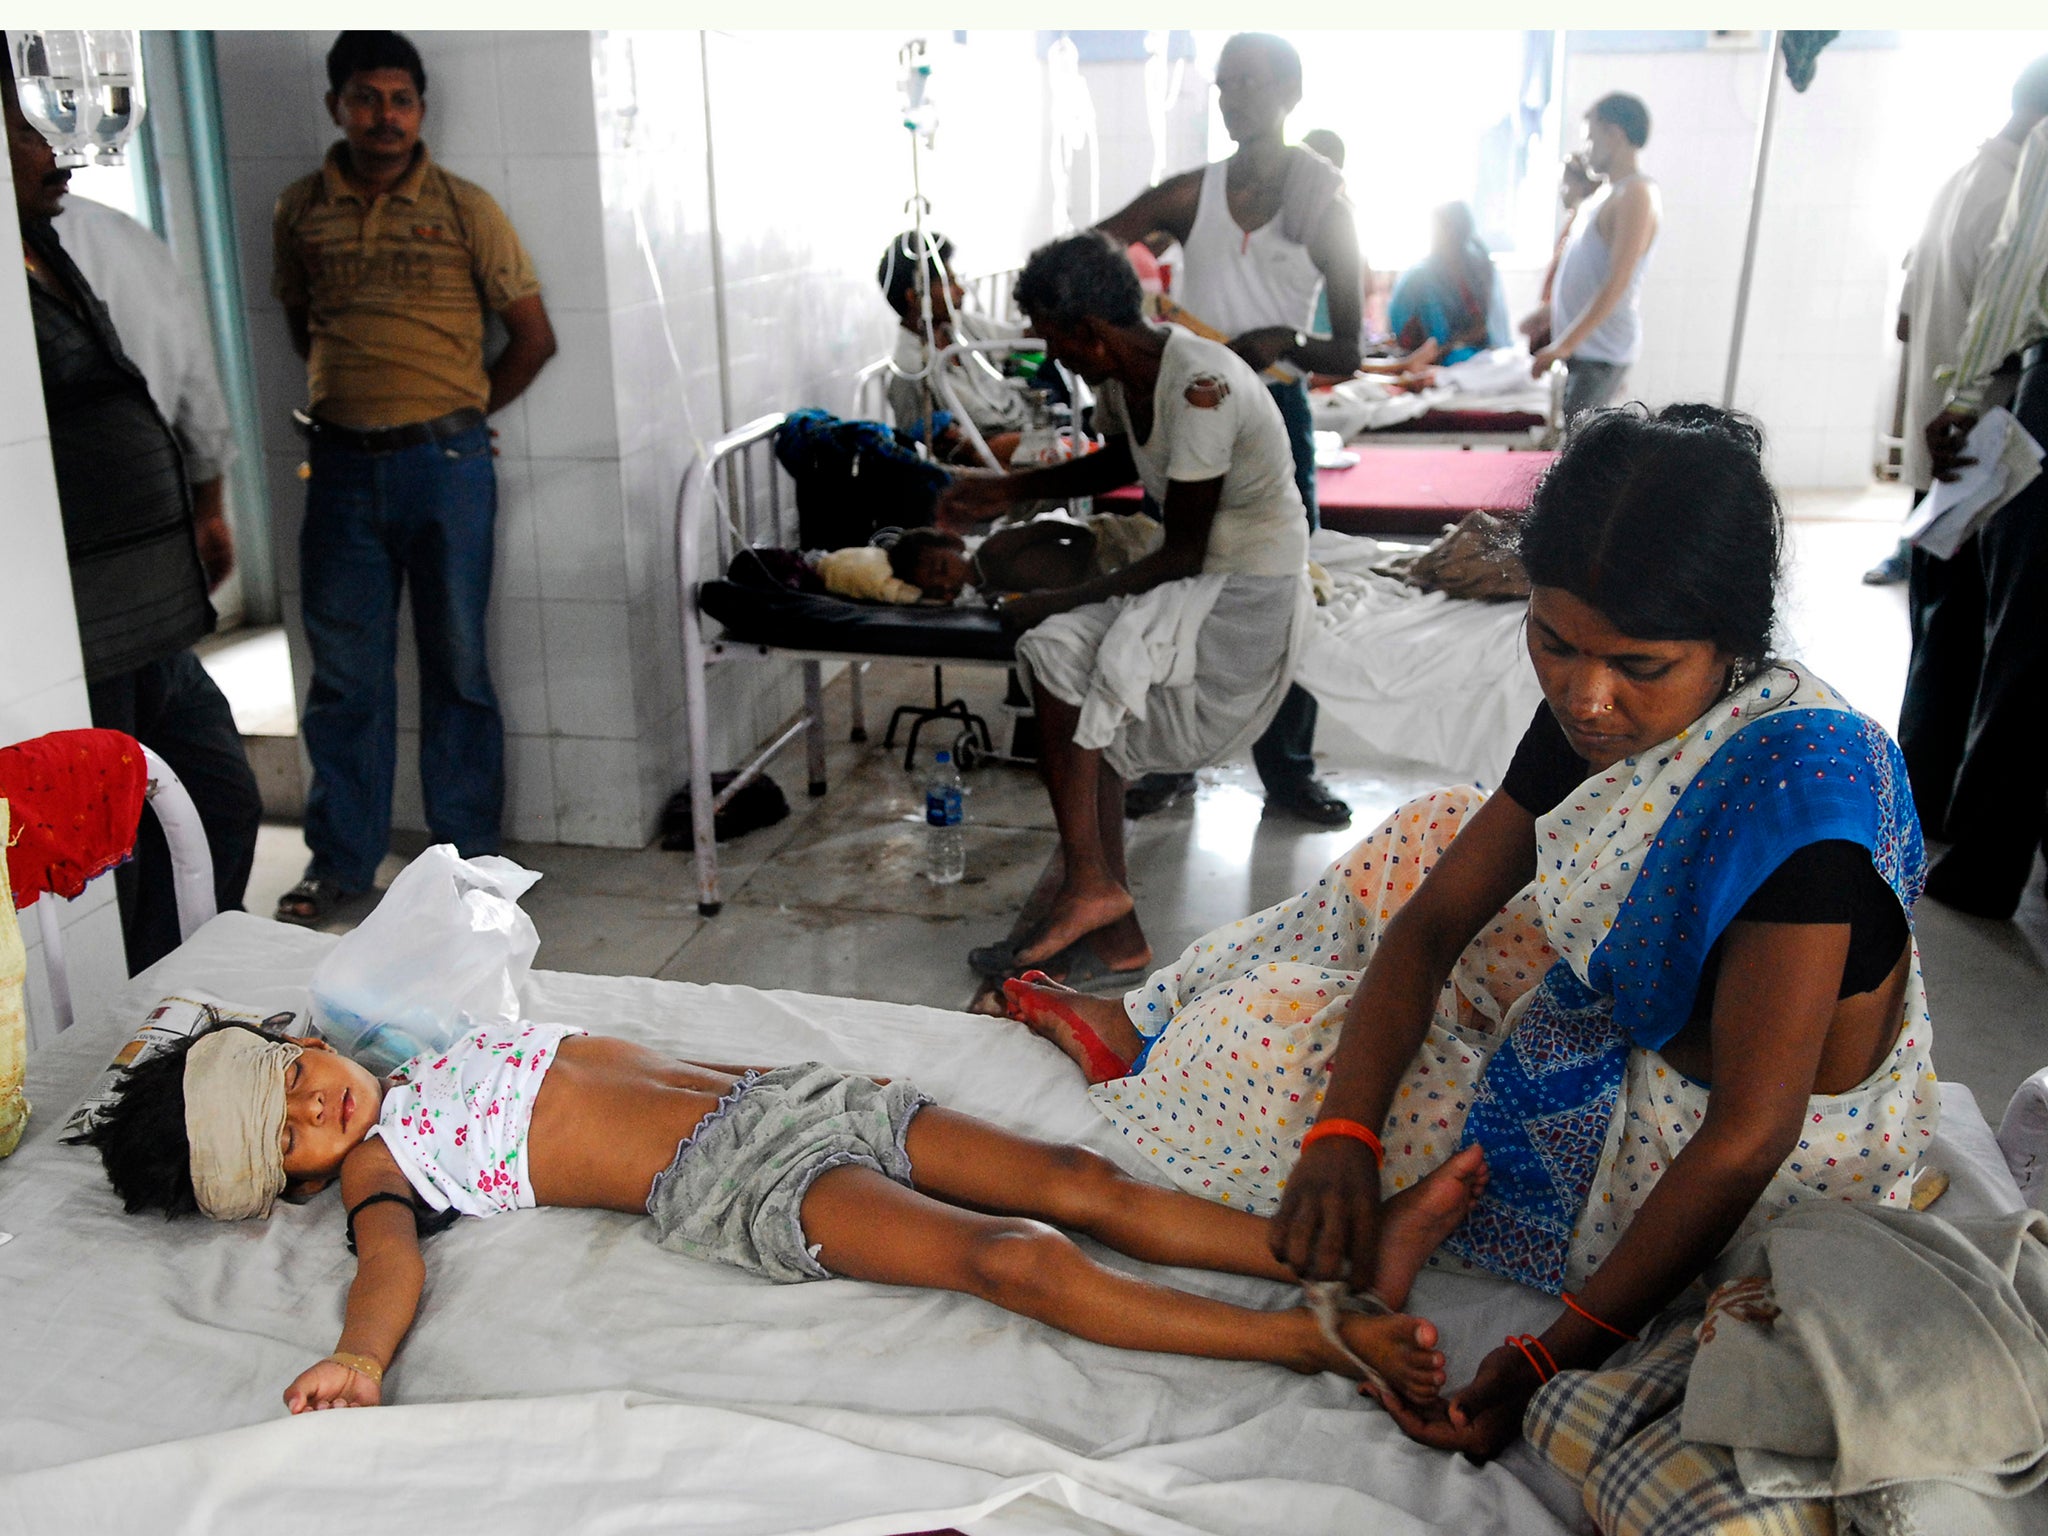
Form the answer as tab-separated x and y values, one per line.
1607	708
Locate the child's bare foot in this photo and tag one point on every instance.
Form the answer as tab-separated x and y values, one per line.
1415	1221
1401	1348
1092	1030
1075	914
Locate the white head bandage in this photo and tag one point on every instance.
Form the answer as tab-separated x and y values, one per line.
234	1120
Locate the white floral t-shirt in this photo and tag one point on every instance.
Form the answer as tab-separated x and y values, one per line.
456	1121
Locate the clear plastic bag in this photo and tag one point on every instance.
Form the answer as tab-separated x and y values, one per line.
445	949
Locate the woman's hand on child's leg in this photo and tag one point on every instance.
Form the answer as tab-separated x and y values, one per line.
330	1384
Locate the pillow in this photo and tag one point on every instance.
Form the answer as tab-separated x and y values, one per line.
171	1020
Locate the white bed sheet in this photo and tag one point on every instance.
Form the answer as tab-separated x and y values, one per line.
567	1374
1416	674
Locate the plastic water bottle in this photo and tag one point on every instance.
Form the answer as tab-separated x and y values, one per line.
945	843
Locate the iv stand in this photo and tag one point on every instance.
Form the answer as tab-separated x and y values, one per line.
916	74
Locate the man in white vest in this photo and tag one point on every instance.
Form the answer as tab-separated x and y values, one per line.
1262	234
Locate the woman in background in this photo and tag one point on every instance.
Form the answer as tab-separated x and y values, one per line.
1453	297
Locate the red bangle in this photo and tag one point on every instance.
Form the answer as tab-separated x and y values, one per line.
1569	1301
1351	1128
1531	1346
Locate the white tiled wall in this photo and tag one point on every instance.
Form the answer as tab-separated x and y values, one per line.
1817	365
42	679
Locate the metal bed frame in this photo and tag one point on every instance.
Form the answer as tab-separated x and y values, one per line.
732	496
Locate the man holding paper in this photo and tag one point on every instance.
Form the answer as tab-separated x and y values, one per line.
1989	804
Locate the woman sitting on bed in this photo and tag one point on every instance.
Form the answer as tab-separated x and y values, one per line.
1664	977
1181	657
1453	296
796	1173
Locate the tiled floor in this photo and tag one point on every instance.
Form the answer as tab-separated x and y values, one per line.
831	900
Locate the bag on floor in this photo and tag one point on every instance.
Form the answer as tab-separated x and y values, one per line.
854	478
760	804
446	949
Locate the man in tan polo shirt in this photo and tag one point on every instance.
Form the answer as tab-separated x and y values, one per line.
385	265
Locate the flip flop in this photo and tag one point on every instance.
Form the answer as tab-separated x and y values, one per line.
1077	966
1326	1301
1101	1059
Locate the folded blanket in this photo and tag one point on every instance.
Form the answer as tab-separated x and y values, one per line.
1853	1348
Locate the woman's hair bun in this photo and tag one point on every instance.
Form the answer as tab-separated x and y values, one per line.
1697	416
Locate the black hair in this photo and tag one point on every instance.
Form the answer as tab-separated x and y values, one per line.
913	542
897	270
1280	53
1080	275
141	1133
1627	113
356	53
1665	523
2030	91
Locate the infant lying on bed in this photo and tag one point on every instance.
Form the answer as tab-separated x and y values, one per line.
935	564
795	1173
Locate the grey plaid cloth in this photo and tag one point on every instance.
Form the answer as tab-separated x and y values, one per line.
1615	1433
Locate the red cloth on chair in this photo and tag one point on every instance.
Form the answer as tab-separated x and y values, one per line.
75	799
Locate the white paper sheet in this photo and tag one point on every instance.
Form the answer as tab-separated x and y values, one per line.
2008	461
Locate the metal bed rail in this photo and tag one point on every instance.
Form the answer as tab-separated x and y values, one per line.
732	495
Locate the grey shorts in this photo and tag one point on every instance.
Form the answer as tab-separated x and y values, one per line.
735	1191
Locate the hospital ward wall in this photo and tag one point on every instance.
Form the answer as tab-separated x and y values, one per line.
42	680
1819	367
706	258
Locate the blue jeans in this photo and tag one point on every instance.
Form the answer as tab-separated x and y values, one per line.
1283	754
374	521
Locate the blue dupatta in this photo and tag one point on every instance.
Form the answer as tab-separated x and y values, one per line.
1639	872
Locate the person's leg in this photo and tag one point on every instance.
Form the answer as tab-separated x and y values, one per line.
867	1227
1994	813
349	585
1284	754
1121	946
452	495
1090	896
142	885
1588	385
194	732
968	1162
1945	602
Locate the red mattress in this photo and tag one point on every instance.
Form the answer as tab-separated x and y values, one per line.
1417	490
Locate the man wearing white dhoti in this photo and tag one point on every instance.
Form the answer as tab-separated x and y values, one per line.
1182	657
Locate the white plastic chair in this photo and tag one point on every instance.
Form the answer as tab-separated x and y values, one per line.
191	879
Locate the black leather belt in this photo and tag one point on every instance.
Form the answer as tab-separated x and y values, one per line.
2034	356
389	439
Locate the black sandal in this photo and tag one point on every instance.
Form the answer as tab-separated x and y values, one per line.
311	902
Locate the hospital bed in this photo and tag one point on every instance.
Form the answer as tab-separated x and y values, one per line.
735	496
1488	401
566	1374
1414	492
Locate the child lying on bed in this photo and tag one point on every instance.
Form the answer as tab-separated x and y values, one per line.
1038	556
795	1173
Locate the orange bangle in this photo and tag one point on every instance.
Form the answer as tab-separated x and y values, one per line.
1531	1346
1567	1298
1351	1128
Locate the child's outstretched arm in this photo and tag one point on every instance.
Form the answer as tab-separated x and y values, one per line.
384	1296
